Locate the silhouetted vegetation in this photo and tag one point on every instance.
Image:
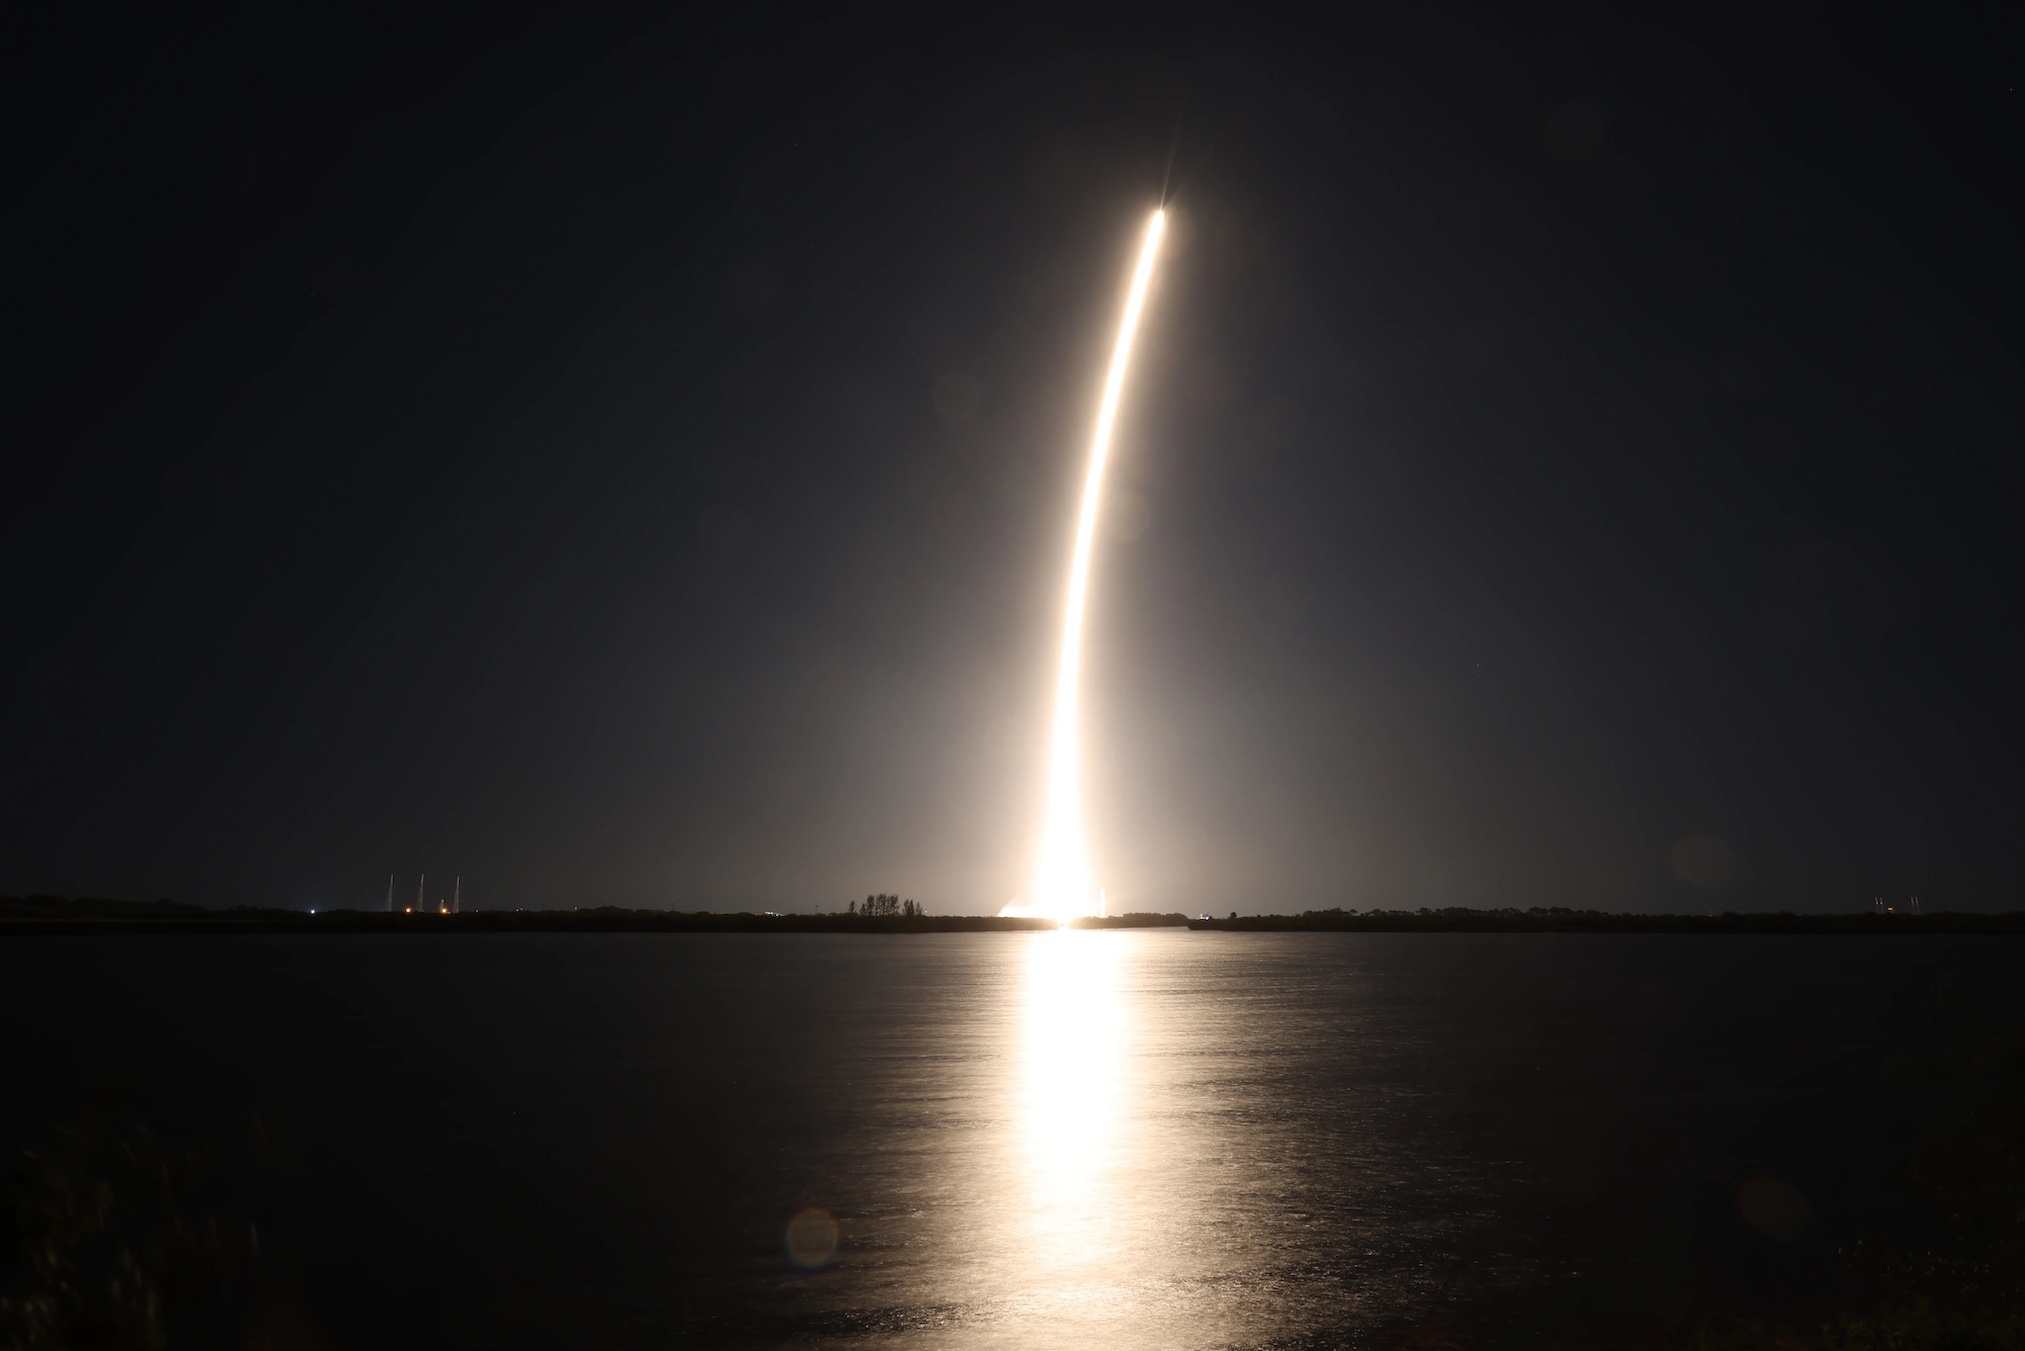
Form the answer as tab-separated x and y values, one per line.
94	909
118	1236
1137	919
888	913
1457	919
878	914
885	907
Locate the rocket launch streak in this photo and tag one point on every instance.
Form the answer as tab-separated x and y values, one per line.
1064	884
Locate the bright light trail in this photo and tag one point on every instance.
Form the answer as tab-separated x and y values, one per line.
1065	885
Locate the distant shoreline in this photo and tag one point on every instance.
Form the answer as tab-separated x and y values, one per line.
51	916
1598	921
130	917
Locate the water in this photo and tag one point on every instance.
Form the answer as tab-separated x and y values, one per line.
1124	1139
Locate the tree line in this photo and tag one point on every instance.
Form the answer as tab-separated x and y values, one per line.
883	906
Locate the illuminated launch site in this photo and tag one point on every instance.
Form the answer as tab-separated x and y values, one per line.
1064	884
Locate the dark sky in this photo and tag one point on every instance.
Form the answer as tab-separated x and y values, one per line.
623	457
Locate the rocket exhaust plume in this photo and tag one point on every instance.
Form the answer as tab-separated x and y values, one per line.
1064	883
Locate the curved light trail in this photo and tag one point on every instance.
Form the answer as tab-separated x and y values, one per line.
1064	885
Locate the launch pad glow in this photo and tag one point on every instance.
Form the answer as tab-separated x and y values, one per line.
1064	884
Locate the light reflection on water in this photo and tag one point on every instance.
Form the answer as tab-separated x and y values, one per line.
1073	1097
1120	1140
1152	1175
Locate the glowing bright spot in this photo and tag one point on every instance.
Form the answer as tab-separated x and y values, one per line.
1064	884
812	1238
1073	1101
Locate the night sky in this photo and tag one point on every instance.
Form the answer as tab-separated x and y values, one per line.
628	457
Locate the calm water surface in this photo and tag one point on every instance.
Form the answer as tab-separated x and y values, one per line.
1129	1139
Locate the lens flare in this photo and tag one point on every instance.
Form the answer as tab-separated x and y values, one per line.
1064	883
